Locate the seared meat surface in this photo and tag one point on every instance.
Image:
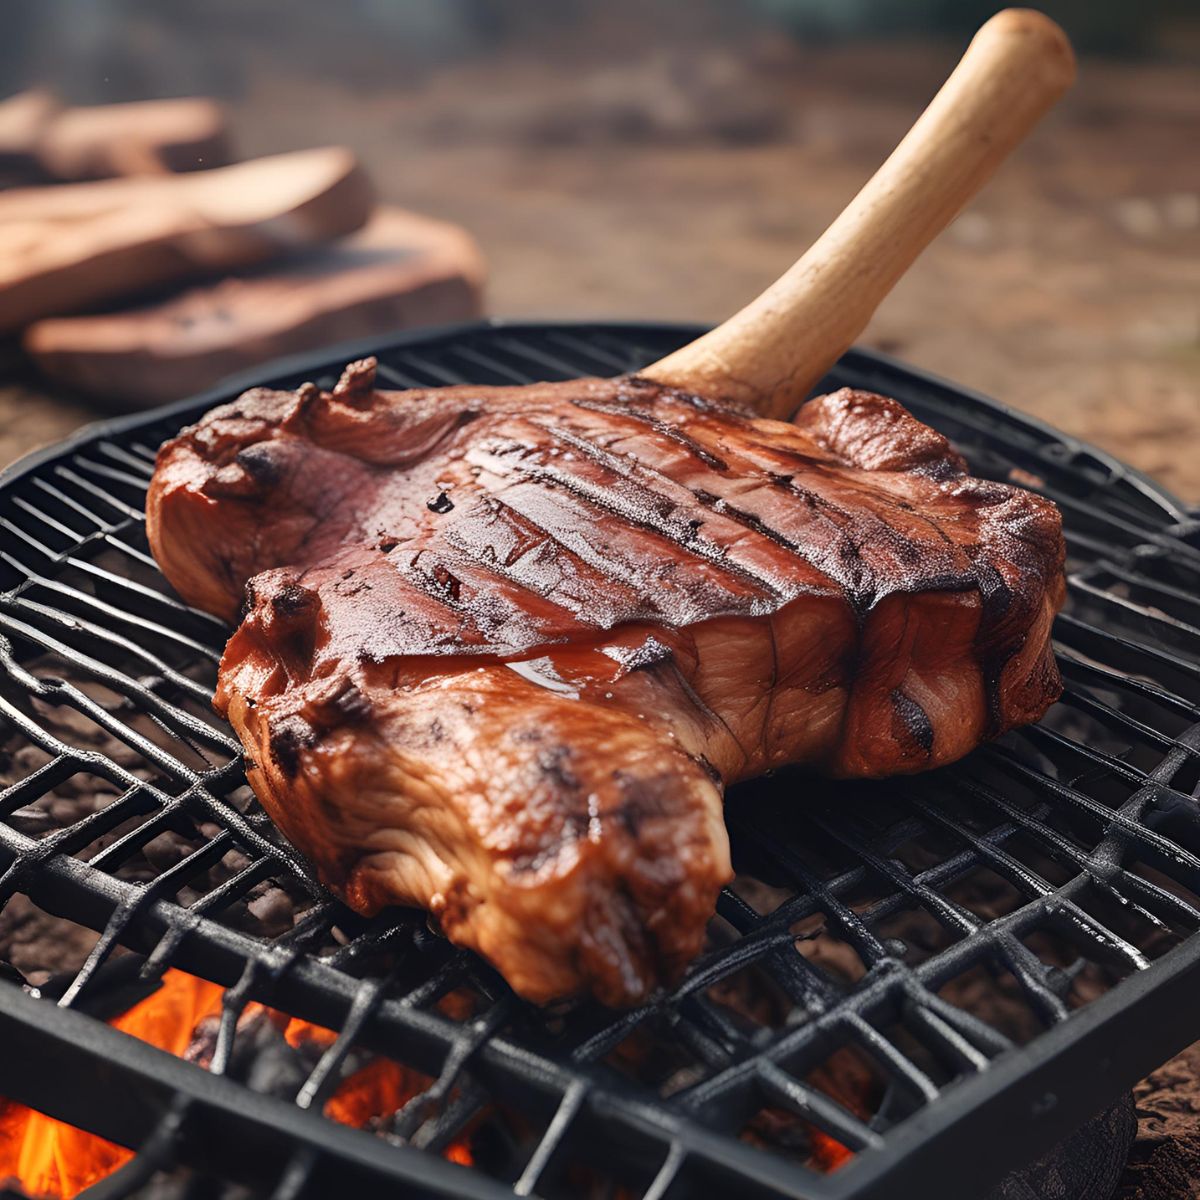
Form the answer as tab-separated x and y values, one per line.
501	649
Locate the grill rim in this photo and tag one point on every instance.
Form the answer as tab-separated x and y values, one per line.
902	1161
928	1148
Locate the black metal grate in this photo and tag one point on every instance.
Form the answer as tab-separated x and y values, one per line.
863	946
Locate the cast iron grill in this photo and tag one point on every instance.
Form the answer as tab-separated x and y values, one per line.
851	914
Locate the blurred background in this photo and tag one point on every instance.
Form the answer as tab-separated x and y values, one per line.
647	158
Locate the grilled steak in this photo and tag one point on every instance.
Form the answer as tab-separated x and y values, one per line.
501	648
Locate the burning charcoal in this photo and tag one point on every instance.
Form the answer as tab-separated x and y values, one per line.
268	1064
39	945
274	910
31	821
164	851
204	1043
258	1035
242	799
782	1130
231	864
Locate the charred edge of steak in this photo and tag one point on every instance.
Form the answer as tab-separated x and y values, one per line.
349	705
262	463
293	600
915	718
287	738
294	615
345	706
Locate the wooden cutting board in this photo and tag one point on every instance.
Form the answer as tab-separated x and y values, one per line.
400	270
66	248
41	138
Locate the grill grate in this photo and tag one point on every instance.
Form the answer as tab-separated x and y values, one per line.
1059	868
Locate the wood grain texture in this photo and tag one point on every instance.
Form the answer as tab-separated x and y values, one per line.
400	270
65	248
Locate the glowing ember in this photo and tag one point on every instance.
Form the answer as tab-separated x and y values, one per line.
847	1080
828	1153
55	1161
459	1152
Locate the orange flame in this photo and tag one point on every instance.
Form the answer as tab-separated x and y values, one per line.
55	1161
51	1159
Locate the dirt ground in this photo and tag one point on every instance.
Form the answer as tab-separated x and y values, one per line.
676	186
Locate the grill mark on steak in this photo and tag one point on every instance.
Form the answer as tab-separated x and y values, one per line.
576	521
656	508
672	432
638	502
788	484
707	499
852	573
685	531
537	562
459	585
